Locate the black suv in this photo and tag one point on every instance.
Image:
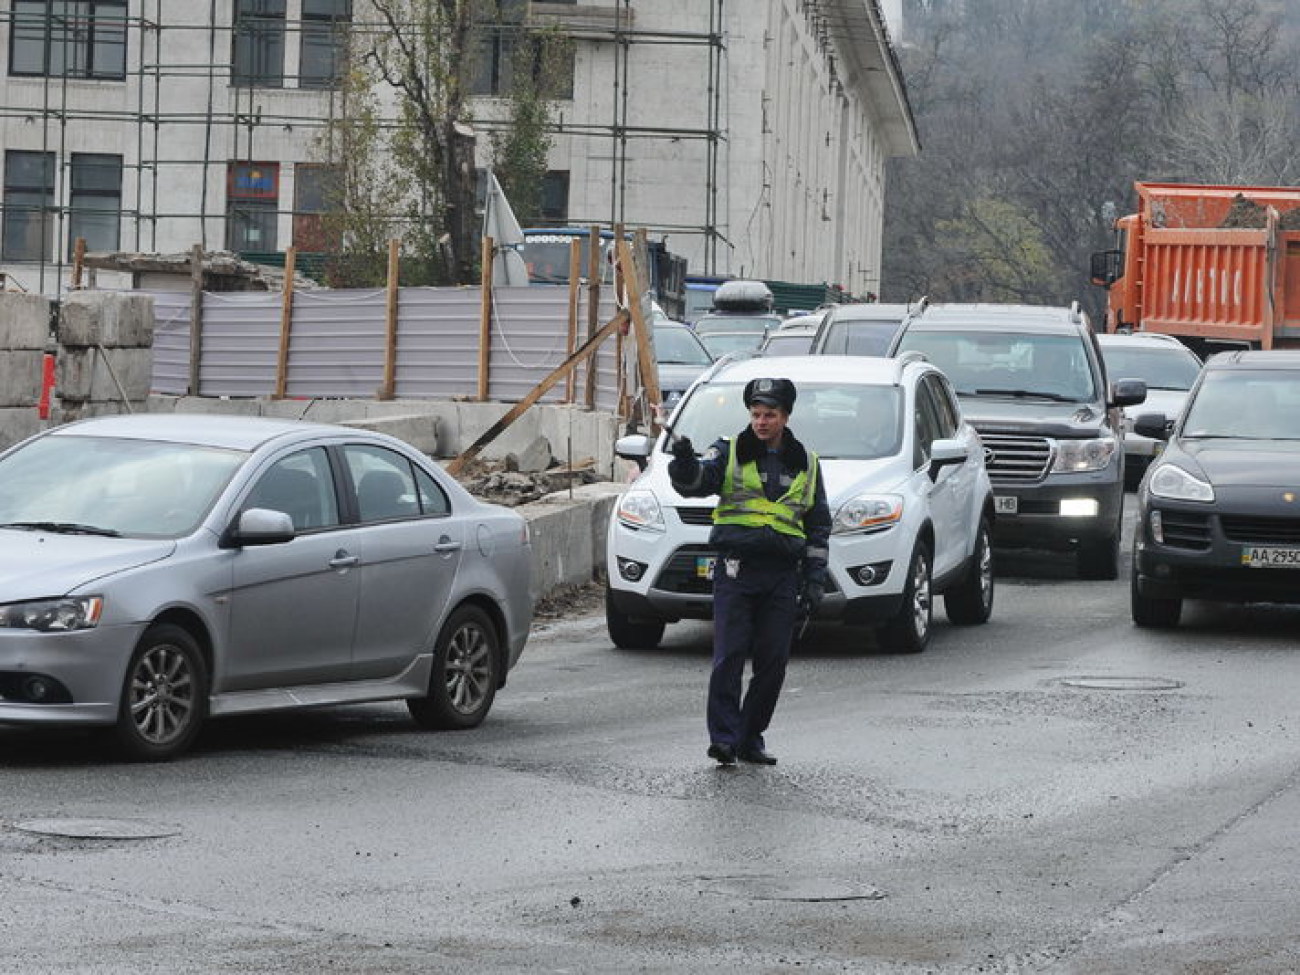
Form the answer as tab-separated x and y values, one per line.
1032	382
1219	510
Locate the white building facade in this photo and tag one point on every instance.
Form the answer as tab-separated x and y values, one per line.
752	134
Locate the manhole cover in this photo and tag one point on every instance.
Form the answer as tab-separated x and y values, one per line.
1123	683
790	889
97	829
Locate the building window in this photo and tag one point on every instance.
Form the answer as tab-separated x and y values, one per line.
68	38
555	197
324	42
28	206
252	199
258	56
499	58
95	211
314	193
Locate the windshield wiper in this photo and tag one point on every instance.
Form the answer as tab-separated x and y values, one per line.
64	528
1026	394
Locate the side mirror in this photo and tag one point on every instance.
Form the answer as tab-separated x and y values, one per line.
1128	392
945	453
635	447
1104	268
259	526
1153	425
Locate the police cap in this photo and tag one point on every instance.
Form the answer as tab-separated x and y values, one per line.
770	392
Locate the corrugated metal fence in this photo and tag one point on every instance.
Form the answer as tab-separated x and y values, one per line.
337	343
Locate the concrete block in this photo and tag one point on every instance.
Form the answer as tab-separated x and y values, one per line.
536	456
107	318
419	430
564	534
214	404
18	423
24	321
92	375
20	378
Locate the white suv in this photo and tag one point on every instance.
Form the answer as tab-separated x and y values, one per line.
910	500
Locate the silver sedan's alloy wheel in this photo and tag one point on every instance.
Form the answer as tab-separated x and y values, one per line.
467	662
165	695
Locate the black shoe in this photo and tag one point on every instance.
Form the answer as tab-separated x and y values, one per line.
722	754
756	756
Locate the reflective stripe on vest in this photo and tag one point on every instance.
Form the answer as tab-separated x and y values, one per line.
748	506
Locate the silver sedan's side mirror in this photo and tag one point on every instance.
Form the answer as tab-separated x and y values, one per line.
259	526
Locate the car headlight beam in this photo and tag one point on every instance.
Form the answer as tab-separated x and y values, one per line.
1078	456
868	513
1173	482
641	510
53	615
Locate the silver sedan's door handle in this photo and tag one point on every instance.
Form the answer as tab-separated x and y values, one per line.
342	560
445	544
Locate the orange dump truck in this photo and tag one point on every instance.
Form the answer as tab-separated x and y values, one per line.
1216	266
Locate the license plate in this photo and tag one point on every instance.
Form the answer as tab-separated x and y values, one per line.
1270	557
1006	504
704	566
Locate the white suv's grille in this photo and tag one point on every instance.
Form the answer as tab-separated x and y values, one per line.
1018	460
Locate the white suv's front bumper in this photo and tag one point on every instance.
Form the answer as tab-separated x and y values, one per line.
661	574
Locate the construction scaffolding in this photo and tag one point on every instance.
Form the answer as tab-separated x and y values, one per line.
171	97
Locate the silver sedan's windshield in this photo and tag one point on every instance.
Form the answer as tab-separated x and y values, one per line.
109	486
838	421
1245	404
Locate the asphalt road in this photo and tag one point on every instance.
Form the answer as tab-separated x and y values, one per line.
1056	791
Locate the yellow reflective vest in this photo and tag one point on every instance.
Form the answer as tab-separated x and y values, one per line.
744	503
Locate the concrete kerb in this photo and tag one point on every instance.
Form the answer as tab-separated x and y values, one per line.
568	532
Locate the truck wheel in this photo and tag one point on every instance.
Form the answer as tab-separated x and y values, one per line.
909	631
971	600
1098	558
628	633
1157	613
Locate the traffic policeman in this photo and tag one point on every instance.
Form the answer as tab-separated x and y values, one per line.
770	531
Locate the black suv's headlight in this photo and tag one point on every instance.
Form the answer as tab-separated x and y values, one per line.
1077	456
53	615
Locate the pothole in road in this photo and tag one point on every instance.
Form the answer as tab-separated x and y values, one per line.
1122	683
766	888
97	829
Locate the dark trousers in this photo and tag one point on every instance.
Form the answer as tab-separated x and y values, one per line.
753	618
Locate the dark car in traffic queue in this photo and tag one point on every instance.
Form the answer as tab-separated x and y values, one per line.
1219	509
1032	380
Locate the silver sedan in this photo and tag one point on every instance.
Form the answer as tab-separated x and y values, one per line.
157	570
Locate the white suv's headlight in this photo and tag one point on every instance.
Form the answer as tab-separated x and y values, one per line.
1172	482
1074	456
53	615
868	512
640	509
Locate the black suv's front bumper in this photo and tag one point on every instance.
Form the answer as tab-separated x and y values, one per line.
1039	521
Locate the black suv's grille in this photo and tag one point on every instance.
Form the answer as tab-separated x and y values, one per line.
696	516
1185	529
1261	531
1019	460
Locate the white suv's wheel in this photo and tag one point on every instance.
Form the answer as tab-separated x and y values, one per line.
628	633
909	631
971	600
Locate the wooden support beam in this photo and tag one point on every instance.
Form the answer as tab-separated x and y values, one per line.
387	389
540	390
78	262
593	310
575	271
196	318
647	366
286	324
485	321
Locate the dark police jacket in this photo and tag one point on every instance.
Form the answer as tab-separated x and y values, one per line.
698	478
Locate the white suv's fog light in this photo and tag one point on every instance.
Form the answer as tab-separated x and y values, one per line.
1079	508
1157	527
630	570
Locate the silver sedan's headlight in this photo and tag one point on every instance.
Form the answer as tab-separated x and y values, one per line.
53	615
1077	456
640	509
868	513
1172	482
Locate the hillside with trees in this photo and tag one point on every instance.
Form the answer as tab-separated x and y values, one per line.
1036	117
